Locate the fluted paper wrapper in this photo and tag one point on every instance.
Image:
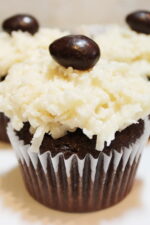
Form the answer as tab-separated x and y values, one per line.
79	185
3	125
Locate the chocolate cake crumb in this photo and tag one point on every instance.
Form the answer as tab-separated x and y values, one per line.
78	143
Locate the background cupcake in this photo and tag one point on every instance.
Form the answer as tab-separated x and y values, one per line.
78	128
128	44
20	37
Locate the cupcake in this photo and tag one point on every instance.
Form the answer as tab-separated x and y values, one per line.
127	43
20	37
78	124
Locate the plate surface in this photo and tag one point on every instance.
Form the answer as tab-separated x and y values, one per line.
18	208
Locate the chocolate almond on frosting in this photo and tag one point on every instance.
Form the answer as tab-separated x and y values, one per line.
23	22
77	51
139	21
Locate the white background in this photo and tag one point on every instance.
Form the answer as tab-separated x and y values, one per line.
67	13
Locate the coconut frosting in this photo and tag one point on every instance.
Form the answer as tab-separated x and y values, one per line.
20	45
107	98
120	43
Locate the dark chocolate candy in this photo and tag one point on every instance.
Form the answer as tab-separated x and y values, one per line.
23	22
77	51
139	21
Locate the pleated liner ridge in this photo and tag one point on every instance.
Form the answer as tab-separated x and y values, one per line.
75	185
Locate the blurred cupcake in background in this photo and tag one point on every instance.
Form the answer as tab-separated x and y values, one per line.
129	44
78	124
20	37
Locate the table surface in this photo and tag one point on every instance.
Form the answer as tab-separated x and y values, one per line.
18	208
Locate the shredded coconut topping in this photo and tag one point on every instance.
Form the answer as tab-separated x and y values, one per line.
54	100
18	46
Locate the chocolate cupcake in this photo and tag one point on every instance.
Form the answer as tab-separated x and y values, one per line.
78	125
128	43
20	38
3	123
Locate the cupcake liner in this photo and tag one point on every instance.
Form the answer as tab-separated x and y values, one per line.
79	185
3	125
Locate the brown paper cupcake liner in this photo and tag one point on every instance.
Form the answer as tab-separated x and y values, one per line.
3	125
79	185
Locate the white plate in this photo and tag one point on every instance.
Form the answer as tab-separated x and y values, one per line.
18	208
